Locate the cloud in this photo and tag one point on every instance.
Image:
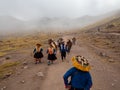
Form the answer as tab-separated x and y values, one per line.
30	9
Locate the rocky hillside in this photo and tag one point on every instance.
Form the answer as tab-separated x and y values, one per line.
104	39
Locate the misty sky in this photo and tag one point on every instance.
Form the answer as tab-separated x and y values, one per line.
31	9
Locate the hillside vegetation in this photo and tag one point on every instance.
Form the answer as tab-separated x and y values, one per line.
104	39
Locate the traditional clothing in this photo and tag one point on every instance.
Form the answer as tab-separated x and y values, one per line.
80	76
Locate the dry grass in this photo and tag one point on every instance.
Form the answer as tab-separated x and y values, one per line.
12	44
27	41
7	68
2	54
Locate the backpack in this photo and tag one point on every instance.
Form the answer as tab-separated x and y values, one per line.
50	50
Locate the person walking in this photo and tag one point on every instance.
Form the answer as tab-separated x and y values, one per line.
51	54
80	76
69	45
63	50
74	40
38	53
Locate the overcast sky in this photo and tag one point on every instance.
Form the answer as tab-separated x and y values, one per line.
30	9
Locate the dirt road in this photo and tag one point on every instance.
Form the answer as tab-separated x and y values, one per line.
44	77
104	76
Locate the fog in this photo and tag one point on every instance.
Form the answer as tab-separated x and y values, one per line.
30	9
28	14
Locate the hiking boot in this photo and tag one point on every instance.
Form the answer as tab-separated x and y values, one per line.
48	63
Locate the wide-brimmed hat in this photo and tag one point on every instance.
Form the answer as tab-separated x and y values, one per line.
80	63
38	45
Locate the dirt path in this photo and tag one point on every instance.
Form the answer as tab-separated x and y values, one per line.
104	76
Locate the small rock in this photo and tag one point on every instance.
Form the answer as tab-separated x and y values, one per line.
102	54
22	81
25	63
3	88
113	84
8	57
8	75
25	67
40	74
111	60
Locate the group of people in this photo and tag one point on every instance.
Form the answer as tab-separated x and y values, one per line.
80	77
64	47
38	54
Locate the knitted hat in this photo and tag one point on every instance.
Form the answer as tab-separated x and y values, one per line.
80	63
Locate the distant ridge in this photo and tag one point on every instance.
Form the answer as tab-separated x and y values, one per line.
10	24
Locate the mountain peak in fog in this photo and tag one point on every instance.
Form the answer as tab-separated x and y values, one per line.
12	24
